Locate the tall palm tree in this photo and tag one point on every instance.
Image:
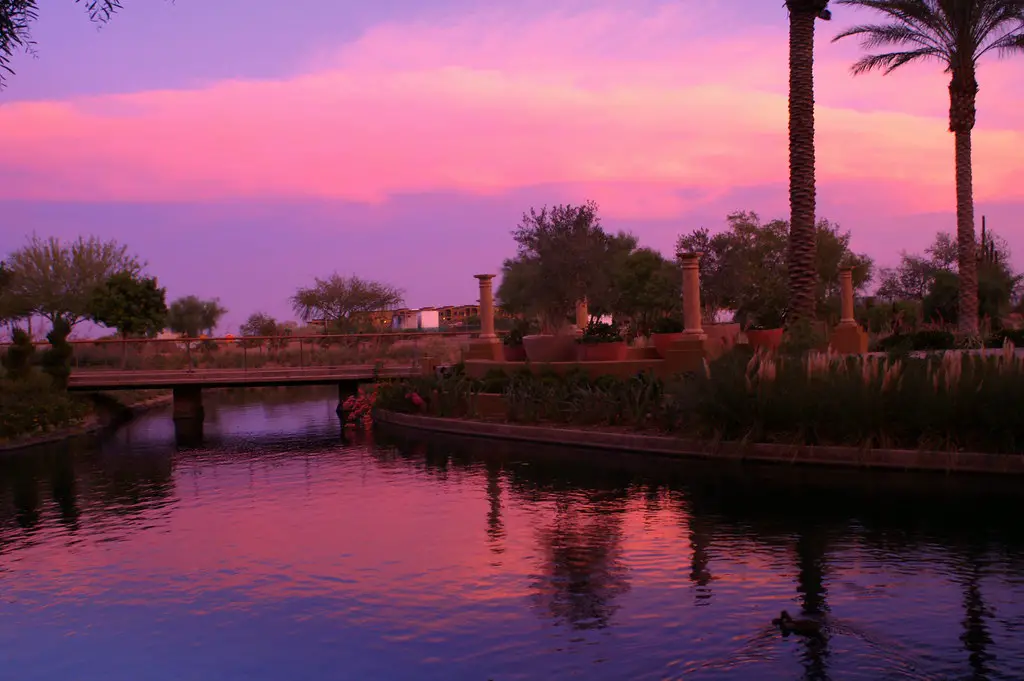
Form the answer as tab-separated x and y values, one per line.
17	17
802	272
955	33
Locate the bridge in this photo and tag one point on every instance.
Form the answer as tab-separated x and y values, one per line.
187	385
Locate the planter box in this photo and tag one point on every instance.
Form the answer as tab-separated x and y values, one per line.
642	353
514	353
601	352
543	348
490	406
663	342
765	339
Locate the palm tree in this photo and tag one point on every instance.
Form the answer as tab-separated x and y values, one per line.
955	33
802	277
17	17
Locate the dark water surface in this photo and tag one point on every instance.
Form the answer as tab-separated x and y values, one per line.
277	551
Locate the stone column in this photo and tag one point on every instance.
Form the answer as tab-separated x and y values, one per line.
486	305
846	317
691	296
582	314
486	347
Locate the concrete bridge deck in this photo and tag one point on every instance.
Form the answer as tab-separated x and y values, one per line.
128	379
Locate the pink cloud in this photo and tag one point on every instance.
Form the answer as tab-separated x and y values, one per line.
629	108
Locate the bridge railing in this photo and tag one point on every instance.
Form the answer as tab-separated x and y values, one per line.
267	352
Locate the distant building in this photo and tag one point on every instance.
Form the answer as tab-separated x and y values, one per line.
415	320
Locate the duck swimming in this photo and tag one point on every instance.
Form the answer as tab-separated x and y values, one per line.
802	627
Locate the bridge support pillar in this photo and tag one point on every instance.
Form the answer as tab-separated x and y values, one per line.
188	403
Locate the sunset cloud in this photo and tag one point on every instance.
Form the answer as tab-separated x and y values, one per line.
641	110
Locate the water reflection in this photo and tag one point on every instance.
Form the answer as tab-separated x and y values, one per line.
278	549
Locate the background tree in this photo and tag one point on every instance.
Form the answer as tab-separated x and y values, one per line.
337	298
648	287
801	241
263	326
17	17
515	288
132	304
563	248
609	262
192	317
744	267
12	307
956	33
932	279
57	278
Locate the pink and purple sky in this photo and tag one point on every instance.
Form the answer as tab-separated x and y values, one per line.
242	147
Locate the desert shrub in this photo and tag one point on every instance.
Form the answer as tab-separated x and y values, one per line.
56	359
30	405
17	361
949	401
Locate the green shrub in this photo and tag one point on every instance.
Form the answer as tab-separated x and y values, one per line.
999	338
667	325
56	359
955	401
600	332
17	360
919	341
30	405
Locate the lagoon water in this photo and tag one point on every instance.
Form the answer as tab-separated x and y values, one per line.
277	550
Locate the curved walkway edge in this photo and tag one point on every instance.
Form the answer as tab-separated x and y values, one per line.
90	425
659	445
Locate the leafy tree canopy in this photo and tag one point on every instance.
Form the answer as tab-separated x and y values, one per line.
132	304
743	268
56	279
563	256
193	317
648	286
337	298
260	325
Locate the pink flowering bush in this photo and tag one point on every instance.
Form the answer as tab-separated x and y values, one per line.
359	408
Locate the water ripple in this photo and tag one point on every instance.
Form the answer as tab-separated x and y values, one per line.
277	550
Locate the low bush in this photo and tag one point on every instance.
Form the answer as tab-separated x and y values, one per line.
31	405
924	340
951	402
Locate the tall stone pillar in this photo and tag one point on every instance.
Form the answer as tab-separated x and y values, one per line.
486	305
691	296
848	338
688	354
487	346
582	314
846	317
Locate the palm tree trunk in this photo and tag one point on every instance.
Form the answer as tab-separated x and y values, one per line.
967	312
801	166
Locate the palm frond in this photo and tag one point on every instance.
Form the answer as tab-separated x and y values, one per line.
954	32
888	62
17	17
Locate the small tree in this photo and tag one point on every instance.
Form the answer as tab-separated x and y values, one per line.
649	287
565	248
56	359
133	305
192	317
337	298
18	359
58	278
